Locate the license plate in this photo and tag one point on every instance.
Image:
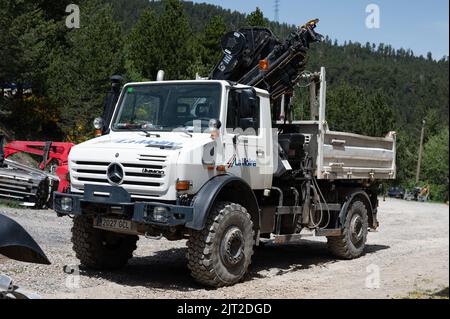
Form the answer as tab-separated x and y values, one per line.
119	225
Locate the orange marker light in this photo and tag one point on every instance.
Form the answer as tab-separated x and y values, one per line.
183	185
264	65
221	168
98	133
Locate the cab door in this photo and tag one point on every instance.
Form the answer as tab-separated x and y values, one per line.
248	138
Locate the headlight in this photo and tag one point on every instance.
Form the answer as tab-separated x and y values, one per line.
66	204
98	123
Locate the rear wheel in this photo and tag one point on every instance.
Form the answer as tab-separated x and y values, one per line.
99	249
220	254
352	242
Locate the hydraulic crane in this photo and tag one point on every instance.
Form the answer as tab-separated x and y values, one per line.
253	56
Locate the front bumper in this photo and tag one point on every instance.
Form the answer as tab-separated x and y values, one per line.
113	199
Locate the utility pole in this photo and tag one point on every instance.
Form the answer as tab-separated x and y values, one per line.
419	162
277	10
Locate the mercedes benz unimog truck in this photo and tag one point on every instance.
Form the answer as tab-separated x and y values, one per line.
222	163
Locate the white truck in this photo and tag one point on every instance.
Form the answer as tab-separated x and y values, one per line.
223	165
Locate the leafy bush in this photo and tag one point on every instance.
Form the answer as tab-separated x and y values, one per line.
435	165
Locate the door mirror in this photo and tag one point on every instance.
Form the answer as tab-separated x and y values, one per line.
248	102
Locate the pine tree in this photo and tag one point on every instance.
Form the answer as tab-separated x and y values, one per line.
80	71
141	48
163	42
257	19
174	45
211	41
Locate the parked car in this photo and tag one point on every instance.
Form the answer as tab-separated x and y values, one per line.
396	192
420	194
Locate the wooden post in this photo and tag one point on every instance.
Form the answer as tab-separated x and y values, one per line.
419	161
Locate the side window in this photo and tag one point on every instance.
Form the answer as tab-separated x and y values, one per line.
250	122
232	116
241	118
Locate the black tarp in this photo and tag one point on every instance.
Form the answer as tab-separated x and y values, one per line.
16	243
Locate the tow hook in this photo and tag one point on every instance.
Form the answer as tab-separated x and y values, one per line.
148	236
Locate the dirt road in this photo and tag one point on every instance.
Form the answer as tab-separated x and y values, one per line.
410	252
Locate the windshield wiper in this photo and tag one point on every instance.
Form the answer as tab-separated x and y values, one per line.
148	134
183	130
122	126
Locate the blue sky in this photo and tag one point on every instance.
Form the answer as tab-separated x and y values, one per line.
421	25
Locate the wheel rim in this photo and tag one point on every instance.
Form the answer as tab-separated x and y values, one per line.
232	247
356	230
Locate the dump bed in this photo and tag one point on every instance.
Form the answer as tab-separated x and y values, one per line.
340	155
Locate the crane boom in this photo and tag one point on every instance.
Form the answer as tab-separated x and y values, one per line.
254	56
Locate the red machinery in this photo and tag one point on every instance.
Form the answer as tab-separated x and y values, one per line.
50	151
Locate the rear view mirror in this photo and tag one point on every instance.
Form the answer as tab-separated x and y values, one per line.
248	101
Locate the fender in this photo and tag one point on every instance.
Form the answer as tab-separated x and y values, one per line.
228	187
16	243
350	198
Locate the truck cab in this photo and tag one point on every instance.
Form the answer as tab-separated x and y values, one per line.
162	133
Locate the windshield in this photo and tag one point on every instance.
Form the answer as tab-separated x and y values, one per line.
167	107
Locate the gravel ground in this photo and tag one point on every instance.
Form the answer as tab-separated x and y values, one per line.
410	250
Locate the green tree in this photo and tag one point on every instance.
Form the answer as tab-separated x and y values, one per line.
26	39
80	71
141	48
257	19
379	118
435	164
351	109
163	43
211	41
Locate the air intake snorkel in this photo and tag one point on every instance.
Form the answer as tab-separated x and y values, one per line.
2	151
110	101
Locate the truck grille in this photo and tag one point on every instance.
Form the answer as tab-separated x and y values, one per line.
147	177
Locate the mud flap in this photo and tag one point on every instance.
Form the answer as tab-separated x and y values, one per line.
16	243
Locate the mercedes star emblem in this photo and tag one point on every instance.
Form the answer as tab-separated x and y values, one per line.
115	173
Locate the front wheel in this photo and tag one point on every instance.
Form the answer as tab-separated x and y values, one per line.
352	242
99	249
220	254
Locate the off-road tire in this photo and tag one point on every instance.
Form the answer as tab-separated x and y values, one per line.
348	246
214	263
98	249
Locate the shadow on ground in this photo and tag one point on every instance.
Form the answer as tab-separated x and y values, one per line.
442	294
167	269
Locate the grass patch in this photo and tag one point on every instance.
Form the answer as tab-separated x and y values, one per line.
10	204
428	294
